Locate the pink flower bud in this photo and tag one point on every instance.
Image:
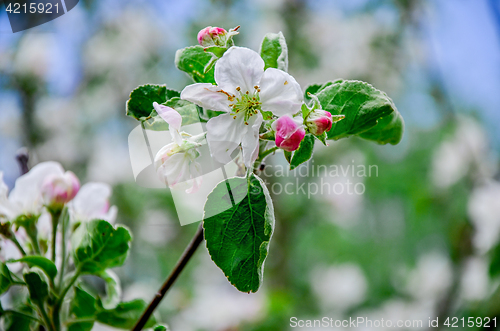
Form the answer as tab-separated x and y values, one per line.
289	132
319	121
212	36
57	190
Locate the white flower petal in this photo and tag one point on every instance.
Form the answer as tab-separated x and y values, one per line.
207	96
250	142
173	118
26	195
224	135
280	93
174	170
239	67
91	202
6	208
195	183
169	114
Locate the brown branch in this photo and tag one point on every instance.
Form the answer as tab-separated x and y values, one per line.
181	263
22	158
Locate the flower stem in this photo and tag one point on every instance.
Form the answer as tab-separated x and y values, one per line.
56	217
34	240
63	221
18	245
181	263
263	155
267	152
57	306
67	288
45	317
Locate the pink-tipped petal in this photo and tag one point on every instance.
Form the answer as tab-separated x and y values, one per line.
170	115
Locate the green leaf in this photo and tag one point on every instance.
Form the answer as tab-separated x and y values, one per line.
316	88
323	137
274	51
218	51
187	109
140	102
41	262
361	103
161	328
303	153
288	156
238	234
6	280
495	261
82	307
311	89
113	289
37	286
17	322
192	60
389	129
97	245
125	315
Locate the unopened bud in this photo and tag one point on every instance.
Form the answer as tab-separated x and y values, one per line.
319	121
58	190
212	36
289	132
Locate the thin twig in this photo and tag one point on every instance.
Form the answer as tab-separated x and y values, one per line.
22	158
186	256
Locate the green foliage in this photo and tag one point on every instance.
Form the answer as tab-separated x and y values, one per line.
82	307
495	261
274	51
304	152
6	280
288	156
37	286
140	102
389	129
41	262
160	328
363	107
97	245
17	322
113	289
89	309
193	60
124	315
238	234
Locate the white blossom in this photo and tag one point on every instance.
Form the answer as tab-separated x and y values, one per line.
243	91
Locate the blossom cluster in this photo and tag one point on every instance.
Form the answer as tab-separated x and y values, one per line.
44	191
254	103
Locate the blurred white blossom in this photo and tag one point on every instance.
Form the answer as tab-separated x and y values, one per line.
484	212
92	202
467	147
431	277
475	279
339	287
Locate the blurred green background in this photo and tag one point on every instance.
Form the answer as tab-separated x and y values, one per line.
418	244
